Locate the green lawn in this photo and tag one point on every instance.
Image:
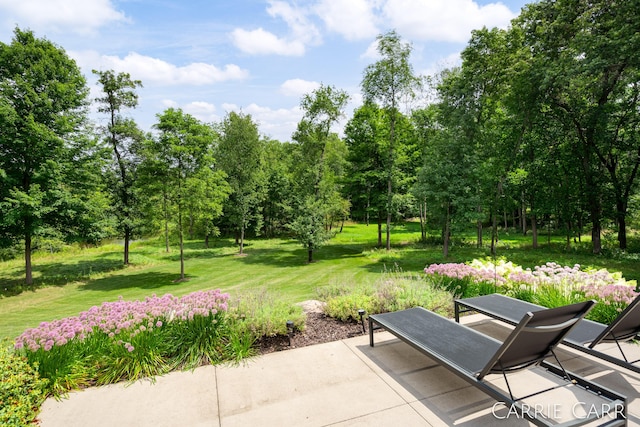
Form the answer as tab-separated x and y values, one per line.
74	280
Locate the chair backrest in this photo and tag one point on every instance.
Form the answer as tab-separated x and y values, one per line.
625	327
533	339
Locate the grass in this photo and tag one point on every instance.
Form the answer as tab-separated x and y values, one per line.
71	281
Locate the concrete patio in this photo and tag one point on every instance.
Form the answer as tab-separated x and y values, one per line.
342	383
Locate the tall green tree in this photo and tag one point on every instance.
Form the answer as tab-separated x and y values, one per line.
123	137
277	203
366	182
390	81
322	109
584	65
184	154
239	155
43	98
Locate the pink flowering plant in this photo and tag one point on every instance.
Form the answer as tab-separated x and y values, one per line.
550	285
127	340
613	299
464	280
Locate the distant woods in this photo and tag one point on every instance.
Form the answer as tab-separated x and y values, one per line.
537	131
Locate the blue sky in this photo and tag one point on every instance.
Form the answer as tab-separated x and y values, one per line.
210	57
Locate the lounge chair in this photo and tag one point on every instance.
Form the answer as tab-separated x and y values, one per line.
472	355
584	337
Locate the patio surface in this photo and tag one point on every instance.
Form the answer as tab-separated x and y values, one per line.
342	383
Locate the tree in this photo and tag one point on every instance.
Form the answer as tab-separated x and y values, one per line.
390	81
584	66
122	135
366	181
446	182
239	155
277	203
183	153
42	107
323	108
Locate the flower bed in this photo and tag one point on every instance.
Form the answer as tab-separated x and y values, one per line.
128	340
550	285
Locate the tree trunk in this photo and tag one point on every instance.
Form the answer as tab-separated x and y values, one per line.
368	206
242	238
127	237
494	232
595	210
379	231
392	138
621	212
447	232
310	253
523	217
27	260
596	243
479	229
423	221
389	198
165	210
534	230
181	244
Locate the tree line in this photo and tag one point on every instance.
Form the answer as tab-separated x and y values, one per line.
538	127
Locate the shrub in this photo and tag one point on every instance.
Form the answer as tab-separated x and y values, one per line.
396	290
21	389
263	314
345	307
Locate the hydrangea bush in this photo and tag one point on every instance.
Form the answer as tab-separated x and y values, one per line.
550	285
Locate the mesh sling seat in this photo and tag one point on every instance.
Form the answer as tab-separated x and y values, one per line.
473	356
584	337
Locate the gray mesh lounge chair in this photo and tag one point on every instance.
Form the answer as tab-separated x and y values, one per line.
472	355
584	337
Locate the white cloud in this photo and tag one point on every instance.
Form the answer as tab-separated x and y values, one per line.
169	103
202	111
61	15
353	19
154	70
261	42
302	33
298	87
301	27
371	52
444	20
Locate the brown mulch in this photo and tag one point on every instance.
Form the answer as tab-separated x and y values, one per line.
319	329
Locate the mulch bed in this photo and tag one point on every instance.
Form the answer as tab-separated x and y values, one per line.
319	329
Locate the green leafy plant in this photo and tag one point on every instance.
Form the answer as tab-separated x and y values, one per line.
21	389
261	313
395	290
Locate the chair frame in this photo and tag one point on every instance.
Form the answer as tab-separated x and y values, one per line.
508	310
424	333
